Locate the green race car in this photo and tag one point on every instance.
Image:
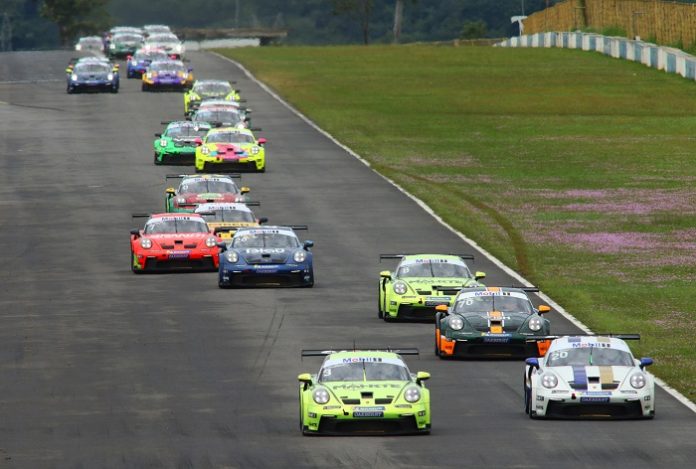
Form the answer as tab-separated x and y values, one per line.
420	283
364	392
178	143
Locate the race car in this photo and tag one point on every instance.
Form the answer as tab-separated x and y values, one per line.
244	112
174	241
208	89
231	148
99	75
491	322
269	256
364	392
220	117
226	218
167	75
167	41
178	143
205	188
124	44
593	376
420	283
90	43
137	63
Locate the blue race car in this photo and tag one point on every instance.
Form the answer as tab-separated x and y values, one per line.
137	63
266	256
92	74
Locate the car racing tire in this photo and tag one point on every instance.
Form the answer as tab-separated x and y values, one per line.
133	269
145	87
527	397
156	161
114	90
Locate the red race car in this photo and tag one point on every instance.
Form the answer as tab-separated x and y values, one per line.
174	241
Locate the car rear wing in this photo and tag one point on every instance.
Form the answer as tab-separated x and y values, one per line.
180	176
293	227
140	215
323	353
466	257
598	334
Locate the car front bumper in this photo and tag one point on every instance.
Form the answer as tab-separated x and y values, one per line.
339	420
508	345
167	260
276	275
218	163
594	405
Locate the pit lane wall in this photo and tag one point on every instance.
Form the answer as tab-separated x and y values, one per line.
660	57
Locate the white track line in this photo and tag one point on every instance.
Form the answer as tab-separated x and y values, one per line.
676	394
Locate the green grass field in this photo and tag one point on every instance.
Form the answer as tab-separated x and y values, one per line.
574	168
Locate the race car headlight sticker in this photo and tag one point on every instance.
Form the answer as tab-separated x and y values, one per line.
254	150
535	324
638	380
211	242
399	288
180	201
145	243
549	381
232	257
321	396
205	150
73	77
110	76
412	394
78	47
299	256
112	46
148	74
456	323
163	142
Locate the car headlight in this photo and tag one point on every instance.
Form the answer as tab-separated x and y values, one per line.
205	150
145	243
110	76
535	324
299	256
211	242
321	396
254	150
638	380
456	323
73	77
412	394
549	381
148	74
400	287
112	46
180	201
232	257
78	47
163	142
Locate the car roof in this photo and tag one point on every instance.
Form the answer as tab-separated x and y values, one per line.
211	206
286	229
211	82
239	130
207	176
589	341
176	215
188	124
168	61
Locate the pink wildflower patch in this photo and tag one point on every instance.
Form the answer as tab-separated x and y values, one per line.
608	243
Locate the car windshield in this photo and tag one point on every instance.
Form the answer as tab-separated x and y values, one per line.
592	356
92	68
230	216
364	371
175	225
186	131
208	186
167	67
483	304
267	239
229	137
127	38
226	116
151	55
433	269
163	39
213	88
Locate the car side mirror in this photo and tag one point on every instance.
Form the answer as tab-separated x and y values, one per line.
306	379
158	135
262	141
222	246
198	141
645	361
479	275
263	220
441	308
190	70
533	362
422	376
68	70
135	232
543	309
385	274
170	191
308	244
244	190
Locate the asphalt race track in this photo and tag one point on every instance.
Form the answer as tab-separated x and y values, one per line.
101	368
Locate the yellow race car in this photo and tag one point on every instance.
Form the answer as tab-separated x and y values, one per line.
203	90
225	218
231	149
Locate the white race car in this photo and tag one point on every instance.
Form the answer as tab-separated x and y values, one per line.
589	376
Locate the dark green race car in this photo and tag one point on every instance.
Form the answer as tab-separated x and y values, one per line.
177	144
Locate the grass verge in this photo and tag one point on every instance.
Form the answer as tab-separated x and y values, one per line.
571	167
